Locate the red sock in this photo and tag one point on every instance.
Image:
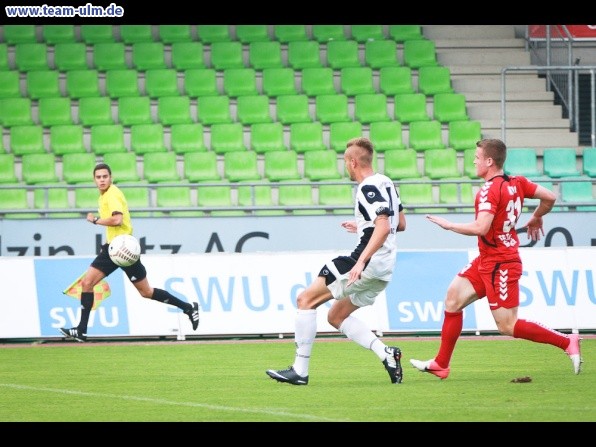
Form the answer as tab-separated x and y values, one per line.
452	326
528	330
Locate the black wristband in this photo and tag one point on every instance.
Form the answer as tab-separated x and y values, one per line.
95	220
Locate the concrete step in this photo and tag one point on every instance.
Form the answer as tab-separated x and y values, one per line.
469	31
531	138
514	110
517	83
500	57
460	44
481	96
527	123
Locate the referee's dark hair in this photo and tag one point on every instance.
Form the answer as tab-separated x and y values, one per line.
101	166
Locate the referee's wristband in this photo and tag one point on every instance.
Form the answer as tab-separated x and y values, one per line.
95	220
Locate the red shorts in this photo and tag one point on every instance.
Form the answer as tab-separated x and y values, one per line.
497	281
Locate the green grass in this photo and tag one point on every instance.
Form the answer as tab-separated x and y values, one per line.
226	382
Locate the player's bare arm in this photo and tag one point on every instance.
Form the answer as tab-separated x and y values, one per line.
380	233
534	225
350	226
478	227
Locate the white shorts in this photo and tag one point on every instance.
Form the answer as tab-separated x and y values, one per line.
361	293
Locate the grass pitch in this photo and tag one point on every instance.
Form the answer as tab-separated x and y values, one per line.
207	381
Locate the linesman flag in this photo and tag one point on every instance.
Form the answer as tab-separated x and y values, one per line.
100	292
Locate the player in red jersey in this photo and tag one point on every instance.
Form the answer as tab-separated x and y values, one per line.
495	273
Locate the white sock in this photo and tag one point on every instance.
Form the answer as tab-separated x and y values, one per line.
357	331
304	336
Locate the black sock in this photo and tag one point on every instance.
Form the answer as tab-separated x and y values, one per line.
167	298
87	304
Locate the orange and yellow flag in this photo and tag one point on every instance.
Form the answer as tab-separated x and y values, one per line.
100	292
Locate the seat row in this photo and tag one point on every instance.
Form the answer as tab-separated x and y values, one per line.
230	137
233	82
91	34
142	56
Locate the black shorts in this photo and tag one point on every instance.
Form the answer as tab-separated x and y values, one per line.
104	263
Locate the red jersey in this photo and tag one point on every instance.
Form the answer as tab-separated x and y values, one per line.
503	196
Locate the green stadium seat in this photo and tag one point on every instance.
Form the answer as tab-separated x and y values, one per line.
39	168
201	167
401	33
200	82
148	55
580	191
161	82
209	34
419	53
370	107
66	139
279	81
326	33
293	109
15	112
137	197
226	55
463	135
121	83
305	137
417	194
26	140
173	110
318	81
82	83
469	167
560	162
241	166
171	197
123	165
290	33
281	166
395	80
4	57
589	161
95	110
10	84
107	138
15	199
522	161
170	34
93	34
227	137
31	56
70	56
109	56
381	53
252	33
217	196
337	198
304	54
267	137
239	82
441	163
356	80
7	168
54	198
457	193
86	198
160	167
401	164
15	34
147	138
294	197
253	109
131	34
434	79
54	111
367	33
42	84
410	107
332	108
342	132
342	54
263	55
426	135
134	110
187	138
78	167
213	110
449	107
258	195
187	55
386	135
321	165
